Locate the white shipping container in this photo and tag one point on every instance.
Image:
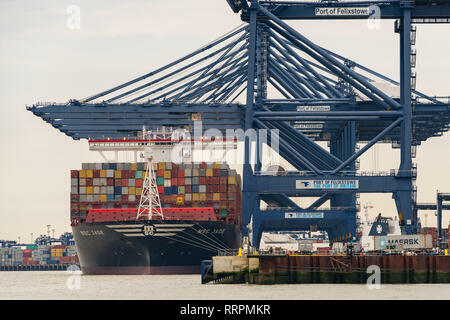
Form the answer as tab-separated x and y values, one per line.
413	241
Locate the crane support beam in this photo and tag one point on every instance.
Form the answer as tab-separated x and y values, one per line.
314	187
344	10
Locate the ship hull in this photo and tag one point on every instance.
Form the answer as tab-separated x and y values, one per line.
151	247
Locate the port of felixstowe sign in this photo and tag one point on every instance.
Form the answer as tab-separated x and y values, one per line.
303	215
327	184
360	11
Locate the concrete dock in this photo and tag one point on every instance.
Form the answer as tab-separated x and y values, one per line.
279	269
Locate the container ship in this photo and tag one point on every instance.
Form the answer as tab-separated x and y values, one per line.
201	214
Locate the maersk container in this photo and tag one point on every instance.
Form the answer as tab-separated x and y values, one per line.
400	242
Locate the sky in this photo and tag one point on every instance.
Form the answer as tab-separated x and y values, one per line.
42	59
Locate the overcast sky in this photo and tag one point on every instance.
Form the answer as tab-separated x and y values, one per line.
41	59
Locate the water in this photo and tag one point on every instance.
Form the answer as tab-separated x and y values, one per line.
53	285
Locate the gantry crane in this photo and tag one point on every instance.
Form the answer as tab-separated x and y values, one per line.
321	96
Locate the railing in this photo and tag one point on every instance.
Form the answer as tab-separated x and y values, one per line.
392	172
443	99
274	208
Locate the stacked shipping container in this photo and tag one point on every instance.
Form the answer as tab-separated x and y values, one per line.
11	256
38	255
434	234
119	185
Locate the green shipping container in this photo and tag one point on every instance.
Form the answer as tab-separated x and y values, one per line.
223	213
139	175
181	189
31	247
160	181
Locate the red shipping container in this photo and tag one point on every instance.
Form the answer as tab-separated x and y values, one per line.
202	180
117	182
181	181
180	173
215	188
216	172
89	182
74	173
209	180
160	173
124	182
96	173
174	181
223	180
209	188
124	198
124	174
175	166
209	196
188	189
139	183
110	181
223	188
160	189
174	172
215	180
203	165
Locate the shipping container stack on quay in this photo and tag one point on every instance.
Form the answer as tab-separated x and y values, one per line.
327	98
29	256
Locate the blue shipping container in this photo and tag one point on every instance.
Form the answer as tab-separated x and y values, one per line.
118	190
